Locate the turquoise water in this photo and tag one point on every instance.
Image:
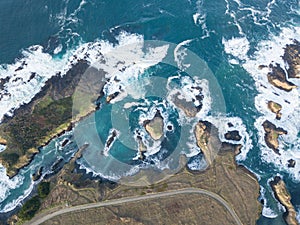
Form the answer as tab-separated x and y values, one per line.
61	27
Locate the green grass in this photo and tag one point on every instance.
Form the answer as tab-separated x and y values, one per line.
30	129
43	189
29	209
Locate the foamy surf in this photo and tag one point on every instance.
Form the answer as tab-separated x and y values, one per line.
298	213
266	211
25	78
226	124
270	52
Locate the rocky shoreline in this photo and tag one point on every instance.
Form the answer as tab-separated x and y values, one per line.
282	195
56	90
279	77
207	140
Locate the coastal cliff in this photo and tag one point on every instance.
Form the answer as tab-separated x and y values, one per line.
283	196
233	182
207	140
49	114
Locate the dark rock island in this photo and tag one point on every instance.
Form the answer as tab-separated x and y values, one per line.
275	108
271	135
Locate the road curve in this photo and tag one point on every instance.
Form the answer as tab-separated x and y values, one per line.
44	217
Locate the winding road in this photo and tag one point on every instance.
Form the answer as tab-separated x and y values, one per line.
46	216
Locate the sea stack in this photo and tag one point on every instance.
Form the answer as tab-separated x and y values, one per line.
155	127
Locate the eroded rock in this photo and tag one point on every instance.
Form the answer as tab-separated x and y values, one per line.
207	140
277	77
275	108
233	135
272	134
155	127
292	58
283	196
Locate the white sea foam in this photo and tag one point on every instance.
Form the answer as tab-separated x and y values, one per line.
58	49
266	211
10	206
298	213
2	147
126	63
197	164
180	53
20	89
271	52
7	184
111	176
200	19
221	122
237	47
232	14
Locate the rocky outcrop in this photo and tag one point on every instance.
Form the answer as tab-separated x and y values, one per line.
113	134
282	195
292	58
112	96
3	141
207	140
188	107
142	148
38	174
155	127
272	134
275	108
277	77
34	124
291	163
233	135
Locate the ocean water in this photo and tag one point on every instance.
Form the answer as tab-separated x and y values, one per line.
232	37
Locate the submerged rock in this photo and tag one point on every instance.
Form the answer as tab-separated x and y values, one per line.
283	196
272	134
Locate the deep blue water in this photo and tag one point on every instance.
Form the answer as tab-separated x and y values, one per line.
71	23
